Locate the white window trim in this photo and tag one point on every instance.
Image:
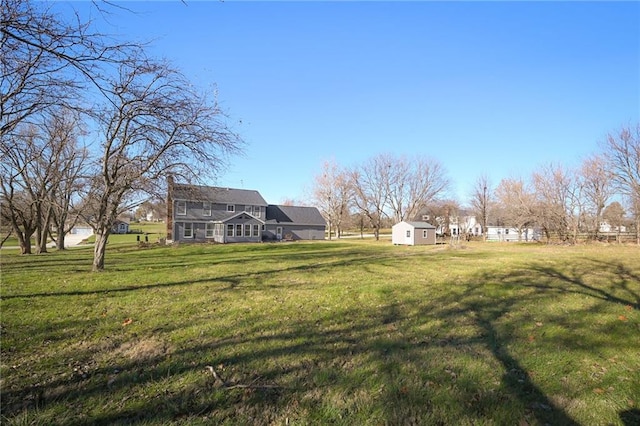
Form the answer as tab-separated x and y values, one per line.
184	230
231	208
206	208
232	227
181	211
209	227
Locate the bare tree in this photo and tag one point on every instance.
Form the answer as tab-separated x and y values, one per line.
70	167
331	195
16	176
622	151
369	183
614	215
481	199
558	196
45	62
597	190
517	203
154	123
39	163
413	184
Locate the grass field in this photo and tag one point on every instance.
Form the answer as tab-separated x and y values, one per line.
344	332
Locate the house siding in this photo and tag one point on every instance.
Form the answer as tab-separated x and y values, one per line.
250	212
294	232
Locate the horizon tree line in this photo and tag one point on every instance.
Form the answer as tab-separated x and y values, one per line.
564	203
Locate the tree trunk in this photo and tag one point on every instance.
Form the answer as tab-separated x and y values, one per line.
99	250
60	239
41	240
25	244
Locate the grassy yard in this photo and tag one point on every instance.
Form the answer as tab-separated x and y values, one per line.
343	332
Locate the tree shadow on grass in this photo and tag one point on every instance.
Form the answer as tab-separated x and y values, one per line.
400	359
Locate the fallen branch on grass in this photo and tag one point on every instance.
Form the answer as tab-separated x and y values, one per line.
221	384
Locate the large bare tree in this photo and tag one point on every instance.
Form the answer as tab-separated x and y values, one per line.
481	199
597	189
622	151
559	201
153	124
47	62
369	183
331	194
413	184
516	202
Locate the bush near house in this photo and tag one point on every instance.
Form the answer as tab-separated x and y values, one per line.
343	332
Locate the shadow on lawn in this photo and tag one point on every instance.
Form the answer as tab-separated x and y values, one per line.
316	263
338	366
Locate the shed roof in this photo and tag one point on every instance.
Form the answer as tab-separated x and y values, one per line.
421	225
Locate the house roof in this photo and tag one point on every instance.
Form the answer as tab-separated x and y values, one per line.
421	225
298	215
218	194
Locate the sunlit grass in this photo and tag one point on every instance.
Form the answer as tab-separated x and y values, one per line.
346	332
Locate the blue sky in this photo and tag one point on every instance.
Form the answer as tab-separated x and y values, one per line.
496	88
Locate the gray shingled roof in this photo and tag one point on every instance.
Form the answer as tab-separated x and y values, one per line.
298	215
218	194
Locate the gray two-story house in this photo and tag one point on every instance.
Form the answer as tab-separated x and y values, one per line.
228	215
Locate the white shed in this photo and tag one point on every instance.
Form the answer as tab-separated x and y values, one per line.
413	233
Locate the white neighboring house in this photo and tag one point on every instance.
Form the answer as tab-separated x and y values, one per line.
413	233
606	227
458	225
502	233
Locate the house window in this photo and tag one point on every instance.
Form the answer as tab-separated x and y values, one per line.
206	208
264	227
408	233
256	230
181	208
231	208
209	230
257	211
230	230
247	209
239	230
188	230
506	230
247	230
424	233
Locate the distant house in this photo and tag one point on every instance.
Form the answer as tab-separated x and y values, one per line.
606	227
229	215
120	227
413	233
502	233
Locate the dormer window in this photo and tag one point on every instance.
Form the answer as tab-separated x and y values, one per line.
181	208
231	208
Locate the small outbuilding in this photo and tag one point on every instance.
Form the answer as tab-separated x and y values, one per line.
413	233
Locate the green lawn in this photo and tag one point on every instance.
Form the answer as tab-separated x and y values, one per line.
343	332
